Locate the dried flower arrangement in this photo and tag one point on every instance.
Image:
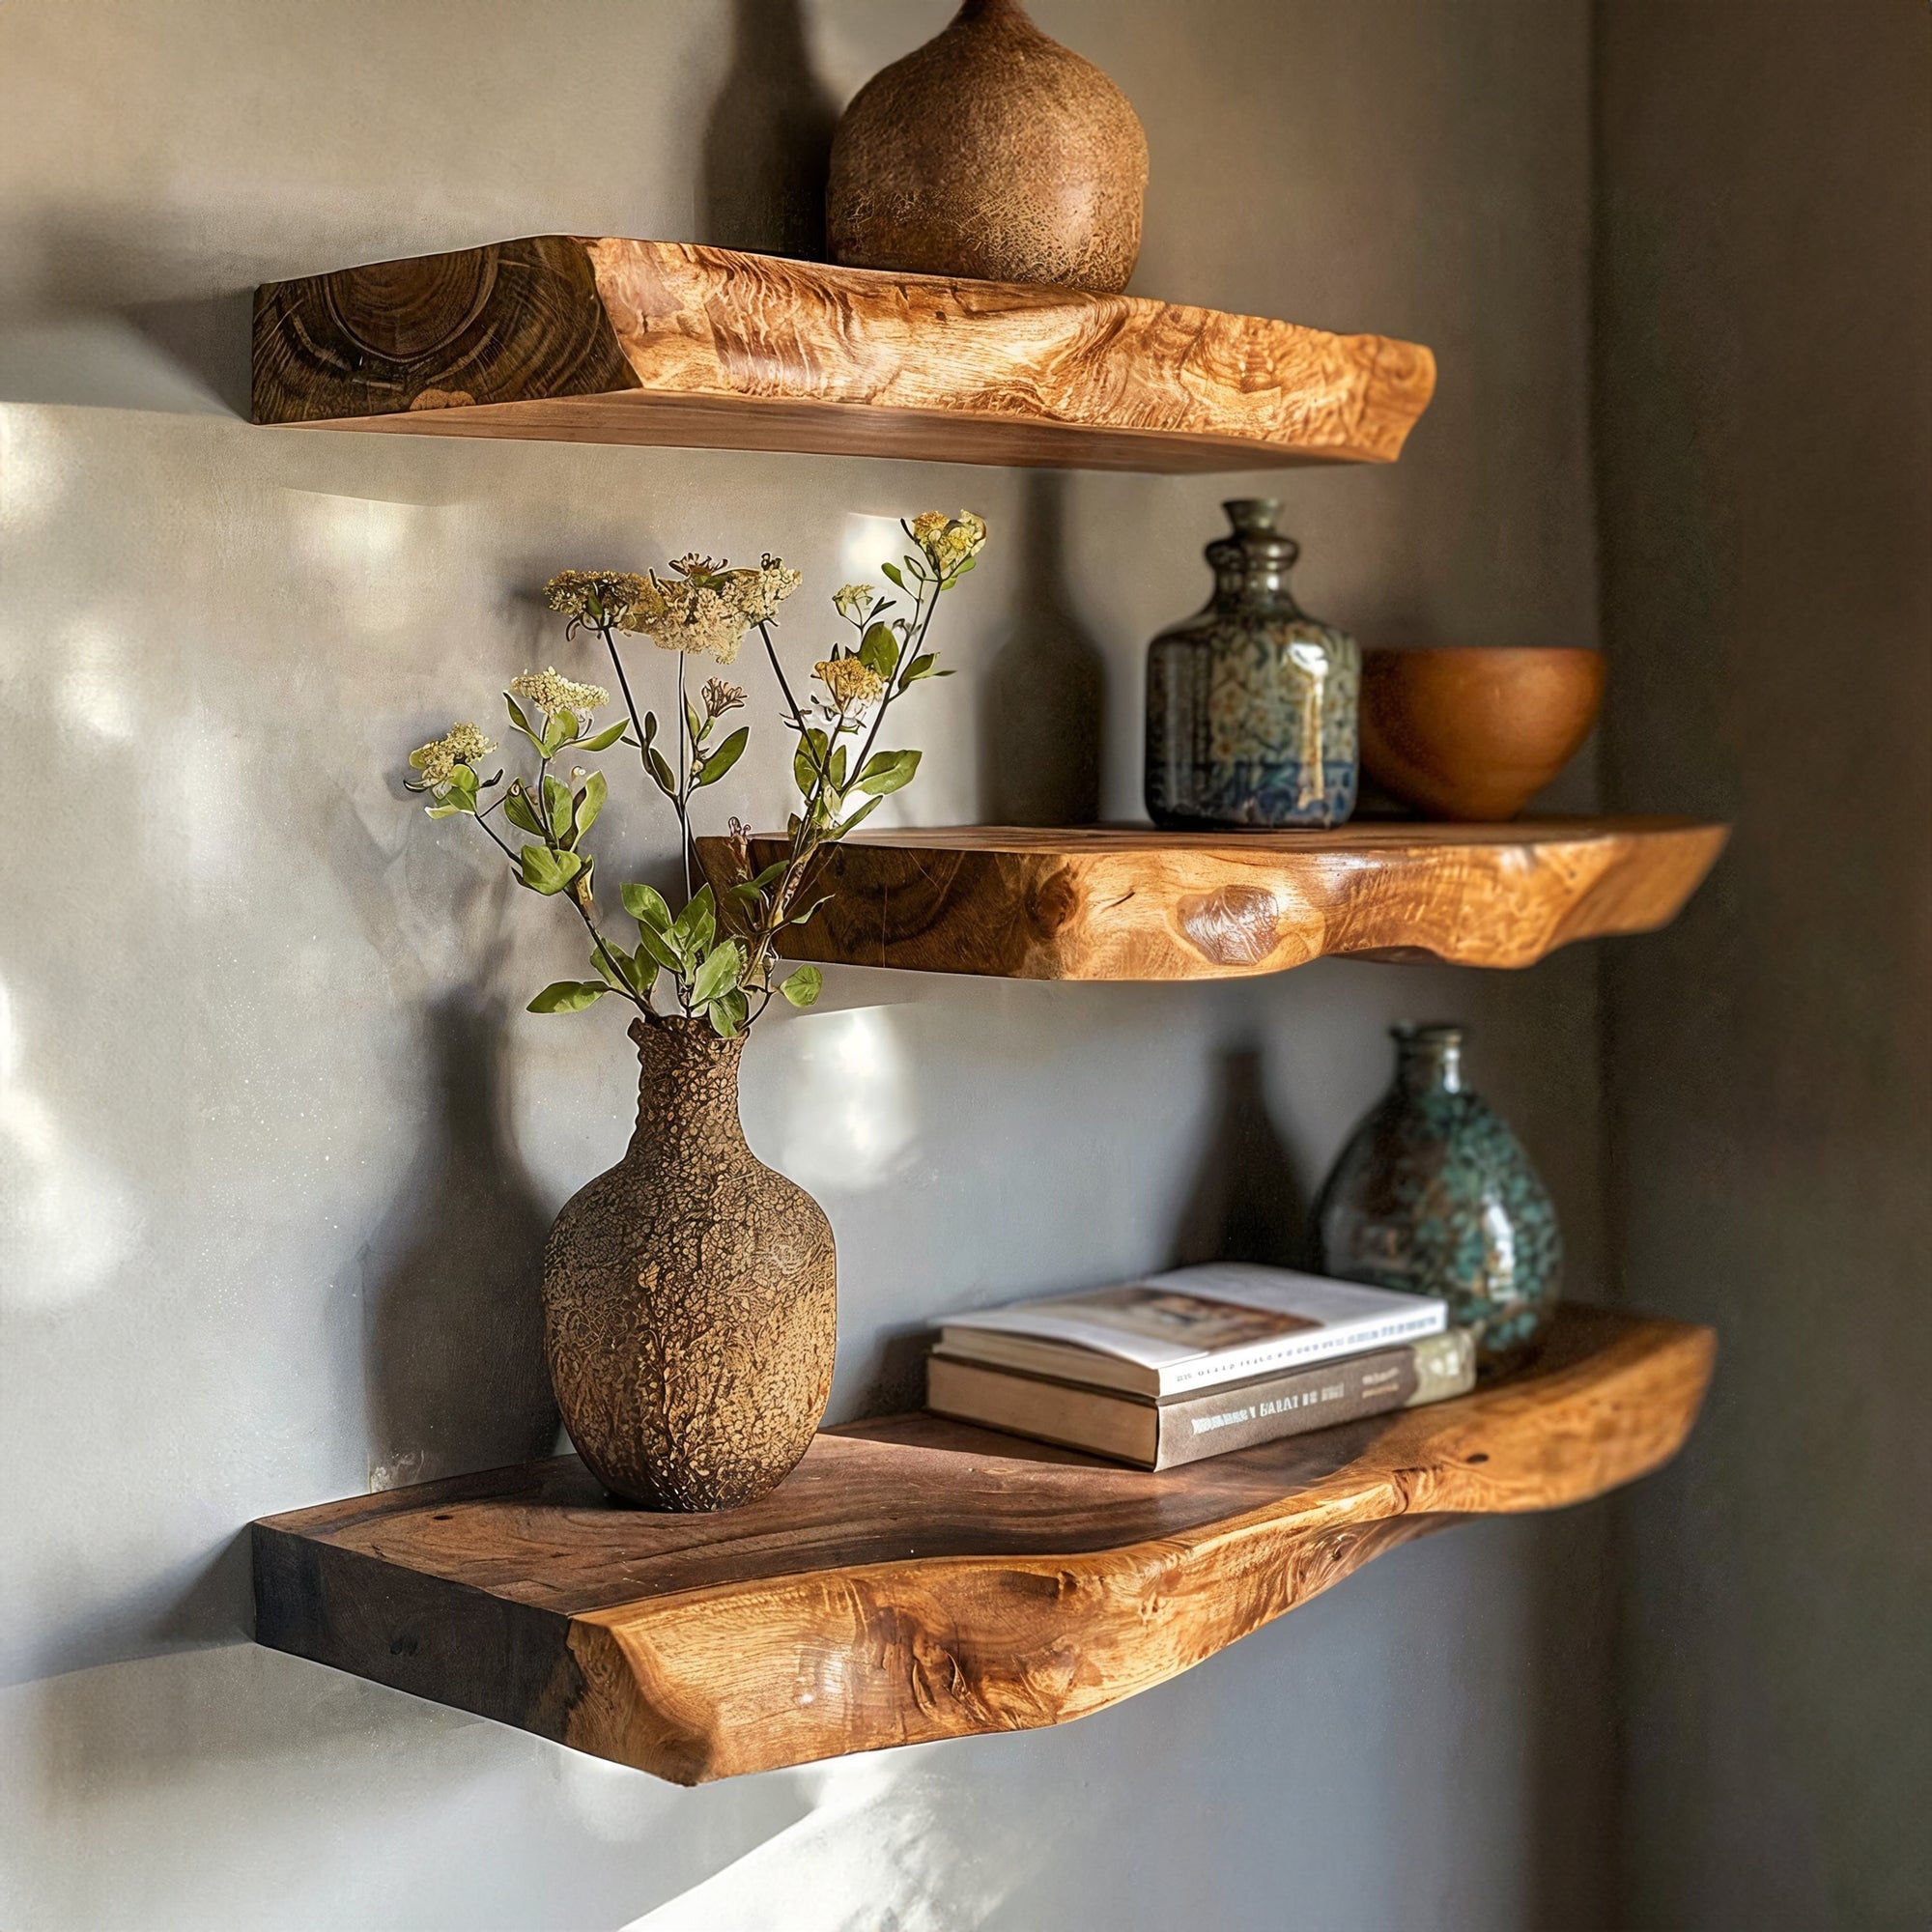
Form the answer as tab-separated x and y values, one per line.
721	957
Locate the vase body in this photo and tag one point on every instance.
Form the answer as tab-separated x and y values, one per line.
1434	1194
1251	704
689	1297
993	152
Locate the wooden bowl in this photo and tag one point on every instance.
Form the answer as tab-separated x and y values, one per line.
1474	732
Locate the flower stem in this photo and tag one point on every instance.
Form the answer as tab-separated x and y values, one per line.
684	758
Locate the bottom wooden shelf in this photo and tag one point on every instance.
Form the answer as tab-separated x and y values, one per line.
917	1579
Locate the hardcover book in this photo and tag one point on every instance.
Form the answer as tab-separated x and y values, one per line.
1191	1328
1189	1427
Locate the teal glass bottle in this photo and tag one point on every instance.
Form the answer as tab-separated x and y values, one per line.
1436	1195
1251	703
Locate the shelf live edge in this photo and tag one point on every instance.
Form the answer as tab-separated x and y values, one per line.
605	339
1138	903
916	1579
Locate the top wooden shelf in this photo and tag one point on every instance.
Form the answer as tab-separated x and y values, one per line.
573	339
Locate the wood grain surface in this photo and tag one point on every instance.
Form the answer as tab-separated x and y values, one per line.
565	339
1138	903
916	1578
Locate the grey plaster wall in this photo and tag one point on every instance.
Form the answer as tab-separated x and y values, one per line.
1765	310
277	1142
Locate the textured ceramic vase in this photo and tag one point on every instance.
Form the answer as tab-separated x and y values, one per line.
1436	1195
1251	704
690	1298
993	152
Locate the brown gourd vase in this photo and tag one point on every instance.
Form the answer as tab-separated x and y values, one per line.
690	1295
992	153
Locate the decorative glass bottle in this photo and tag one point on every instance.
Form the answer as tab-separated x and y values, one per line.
1436	1195
1251	703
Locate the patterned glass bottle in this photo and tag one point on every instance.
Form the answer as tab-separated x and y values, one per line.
1436	1195
1251	703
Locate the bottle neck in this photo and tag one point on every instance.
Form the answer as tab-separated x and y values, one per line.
1253	586
1428	1060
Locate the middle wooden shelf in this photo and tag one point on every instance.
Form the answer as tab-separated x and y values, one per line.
1138	903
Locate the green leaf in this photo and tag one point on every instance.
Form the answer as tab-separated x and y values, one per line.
607	737
596	789
718	973
886	771
662	772
693	722
728	1015
808	758
520	717
921	666
553	735
879	651
803	986
613	961
840	758
725	756
857	819
891	572
800	919
548	872
646	905
447	808
770	872
557	808
568	720
691	930
650	729
518	810
568	996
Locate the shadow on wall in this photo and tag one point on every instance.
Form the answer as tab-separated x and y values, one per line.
1041	698
1247	1202
452	1318
768	142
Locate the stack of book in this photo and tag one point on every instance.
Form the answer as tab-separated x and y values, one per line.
1196	1362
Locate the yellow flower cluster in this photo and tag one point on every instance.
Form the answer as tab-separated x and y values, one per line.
853	599
465	745
708	608
948	541
849	681
550	692
595	596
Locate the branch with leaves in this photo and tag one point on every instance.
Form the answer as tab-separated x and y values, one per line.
722	959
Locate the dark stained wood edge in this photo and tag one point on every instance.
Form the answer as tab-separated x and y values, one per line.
517	320
433	1637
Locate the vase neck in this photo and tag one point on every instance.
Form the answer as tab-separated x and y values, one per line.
1428	1059
687	1090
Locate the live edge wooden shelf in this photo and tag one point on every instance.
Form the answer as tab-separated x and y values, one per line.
578	339
1137	903
916	1578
